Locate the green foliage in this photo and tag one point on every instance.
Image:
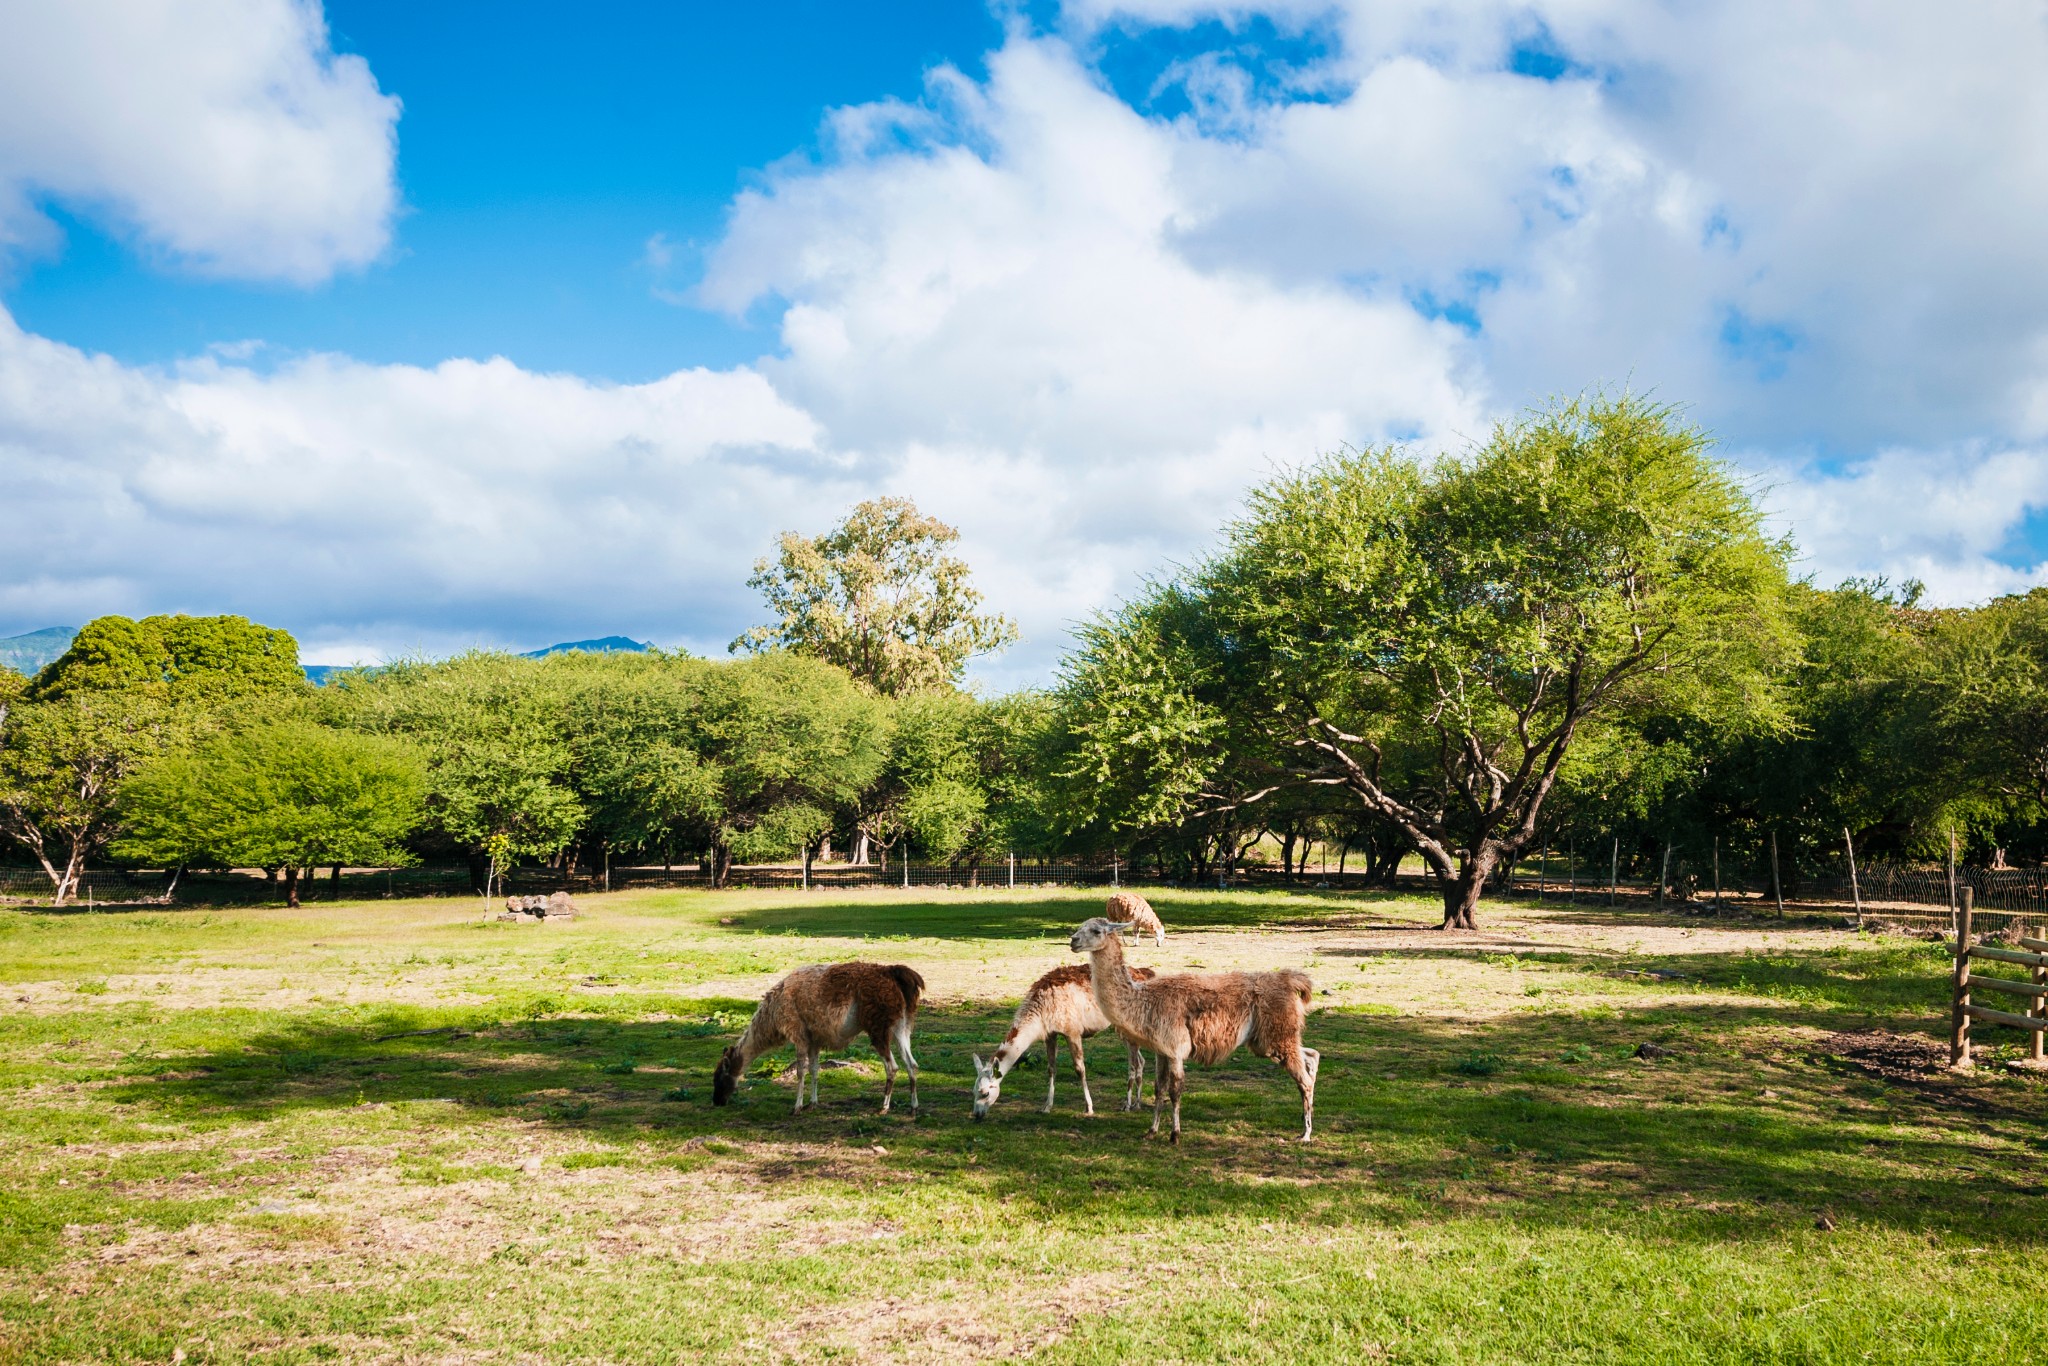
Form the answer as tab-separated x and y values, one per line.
791	740
212	658
1434	640
488	727
879	596
283	794
62	764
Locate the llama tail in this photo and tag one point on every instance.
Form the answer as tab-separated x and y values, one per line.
912	984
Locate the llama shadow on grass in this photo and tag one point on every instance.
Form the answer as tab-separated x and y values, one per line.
1025	916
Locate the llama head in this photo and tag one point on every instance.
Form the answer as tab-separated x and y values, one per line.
1093	934
988	1085
727	1078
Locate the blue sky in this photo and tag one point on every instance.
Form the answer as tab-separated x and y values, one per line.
537	156
413	327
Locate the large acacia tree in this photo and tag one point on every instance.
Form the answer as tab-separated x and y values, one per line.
1433	639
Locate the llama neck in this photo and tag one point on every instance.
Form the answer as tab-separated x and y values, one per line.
1111	983
761	1035
1023	1034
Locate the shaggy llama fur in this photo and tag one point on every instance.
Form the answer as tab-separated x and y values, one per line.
1204	1016
1059	1005
1131	909
825	1007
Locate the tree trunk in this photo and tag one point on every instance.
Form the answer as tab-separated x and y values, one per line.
721	864
334	883
860	850
74	871
1287	855
291	887
1462	893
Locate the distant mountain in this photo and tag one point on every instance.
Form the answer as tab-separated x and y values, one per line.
603	645
29	653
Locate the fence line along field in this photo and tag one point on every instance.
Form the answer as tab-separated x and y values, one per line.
404	1131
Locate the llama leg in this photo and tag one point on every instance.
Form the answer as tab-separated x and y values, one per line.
817	1058
1178	1078
1311	1063
909	1062
803	1066
884	1047
1052	1070
1081	1067
1134	1084
1158	1090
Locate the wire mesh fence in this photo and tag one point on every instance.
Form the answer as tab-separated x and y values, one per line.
1678	878
117	886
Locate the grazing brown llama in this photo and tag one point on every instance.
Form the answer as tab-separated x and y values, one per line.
1204	1016
824	1007
1131	909
1059	1005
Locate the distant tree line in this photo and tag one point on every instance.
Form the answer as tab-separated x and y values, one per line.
1578	632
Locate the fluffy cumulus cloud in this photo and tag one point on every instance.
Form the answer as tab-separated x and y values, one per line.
226	136
389	508
1079	317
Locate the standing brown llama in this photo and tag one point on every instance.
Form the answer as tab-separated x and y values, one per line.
1131	909
1205	1016
824	1007
1059	1005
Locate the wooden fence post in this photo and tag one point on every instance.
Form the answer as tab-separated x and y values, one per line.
1959	1021
2039	1051
1664	873
1777	887
1614	870
1013	870
1855	892
807	869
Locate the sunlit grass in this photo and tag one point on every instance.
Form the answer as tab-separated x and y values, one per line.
403	1131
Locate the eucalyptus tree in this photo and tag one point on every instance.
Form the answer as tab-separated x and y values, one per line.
1434	639
881	596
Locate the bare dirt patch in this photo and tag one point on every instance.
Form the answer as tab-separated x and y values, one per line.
952	1325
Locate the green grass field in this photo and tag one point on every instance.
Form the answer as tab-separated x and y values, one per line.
399	1132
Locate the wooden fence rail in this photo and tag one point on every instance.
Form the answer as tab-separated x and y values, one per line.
2032	953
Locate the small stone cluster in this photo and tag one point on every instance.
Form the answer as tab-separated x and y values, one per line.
556	906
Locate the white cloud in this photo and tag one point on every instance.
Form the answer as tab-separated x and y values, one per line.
1941	516
225	136
429	507
1080	330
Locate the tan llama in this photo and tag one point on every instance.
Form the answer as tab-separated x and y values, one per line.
821	1008
1131	909
1059	1005
1204	1016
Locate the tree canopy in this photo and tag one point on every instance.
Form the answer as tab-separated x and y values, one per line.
880	596
287	794
1434	639
219	658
